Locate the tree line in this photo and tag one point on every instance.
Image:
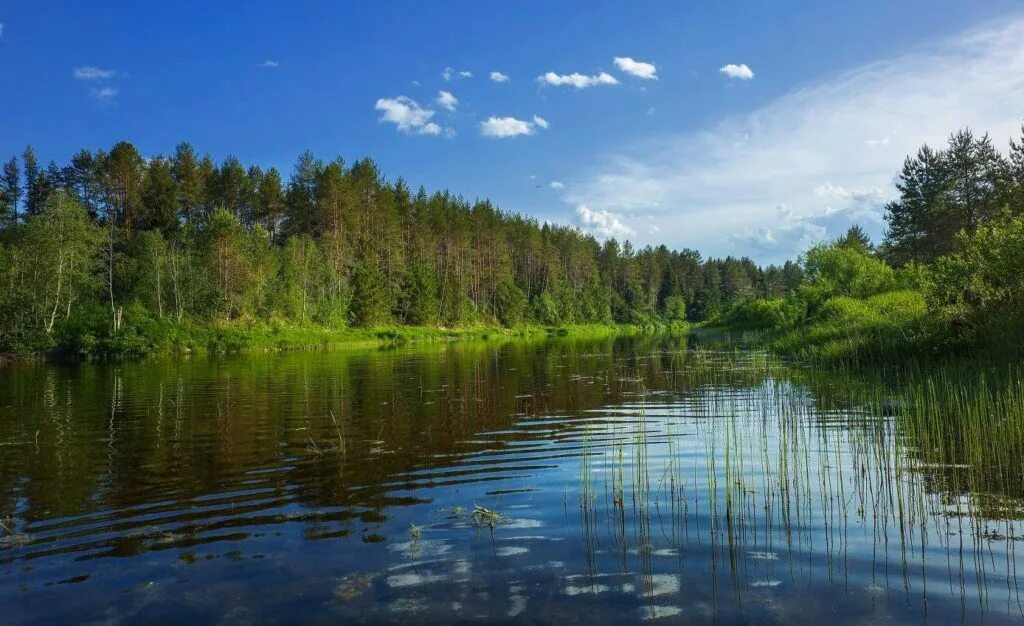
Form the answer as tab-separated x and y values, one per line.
948	275
113	242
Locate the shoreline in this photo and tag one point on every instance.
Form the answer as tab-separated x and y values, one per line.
225	339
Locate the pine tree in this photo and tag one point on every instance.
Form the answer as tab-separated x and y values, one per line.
159	198
423	305
270	201
191	185
916	219
370	298
35	182
10	192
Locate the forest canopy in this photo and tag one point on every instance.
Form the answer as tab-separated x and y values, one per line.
183	239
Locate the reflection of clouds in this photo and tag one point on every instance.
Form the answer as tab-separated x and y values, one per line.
658	612
408	605
579	584
521	523
662	584
421	548
511	551
516	601
413	579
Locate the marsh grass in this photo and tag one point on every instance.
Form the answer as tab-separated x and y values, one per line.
775	460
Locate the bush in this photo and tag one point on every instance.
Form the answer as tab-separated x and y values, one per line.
979	290
841	270
759	314
882	325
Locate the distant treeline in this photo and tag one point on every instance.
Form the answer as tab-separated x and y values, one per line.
114	244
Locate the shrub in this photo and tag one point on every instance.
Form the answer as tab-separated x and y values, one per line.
761	314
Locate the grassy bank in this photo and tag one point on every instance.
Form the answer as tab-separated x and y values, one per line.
170	338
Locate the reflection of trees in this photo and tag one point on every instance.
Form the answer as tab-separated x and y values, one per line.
234	434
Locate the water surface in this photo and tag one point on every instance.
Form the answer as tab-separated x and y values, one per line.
626	479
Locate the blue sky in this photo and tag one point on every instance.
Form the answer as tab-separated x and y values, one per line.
696	157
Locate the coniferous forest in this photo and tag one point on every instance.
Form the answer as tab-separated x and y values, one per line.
116	244
116	253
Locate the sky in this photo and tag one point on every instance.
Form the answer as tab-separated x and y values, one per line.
734	128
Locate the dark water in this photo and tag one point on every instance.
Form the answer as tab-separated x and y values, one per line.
624	479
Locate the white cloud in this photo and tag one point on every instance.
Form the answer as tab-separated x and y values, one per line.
557	184
639	69
603	224
718	189
449	74
270	63
740	71
104	94
577	80
408	116
91	72
498	77
446	100
501	127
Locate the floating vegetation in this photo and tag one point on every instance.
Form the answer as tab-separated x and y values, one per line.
485	517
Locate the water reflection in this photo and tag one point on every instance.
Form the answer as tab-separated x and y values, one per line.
619	479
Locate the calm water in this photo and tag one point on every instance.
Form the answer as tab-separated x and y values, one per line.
623	479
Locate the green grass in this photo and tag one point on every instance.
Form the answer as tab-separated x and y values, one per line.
147	336
883	328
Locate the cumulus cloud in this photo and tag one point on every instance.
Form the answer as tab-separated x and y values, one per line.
498	77
449	74
408	116
740	71
603	224
639	69
446	100
577	80
502	127
557	184
270	64
720	189
91	72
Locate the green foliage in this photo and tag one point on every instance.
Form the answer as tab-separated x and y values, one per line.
511	303
545	309
421	293
115	253
371	304
881	326
980	288
768	313
837	269
675	309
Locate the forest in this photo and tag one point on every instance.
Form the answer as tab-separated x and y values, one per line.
115	254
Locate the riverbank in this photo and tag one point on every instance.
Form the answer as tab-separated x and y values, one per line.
171	338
